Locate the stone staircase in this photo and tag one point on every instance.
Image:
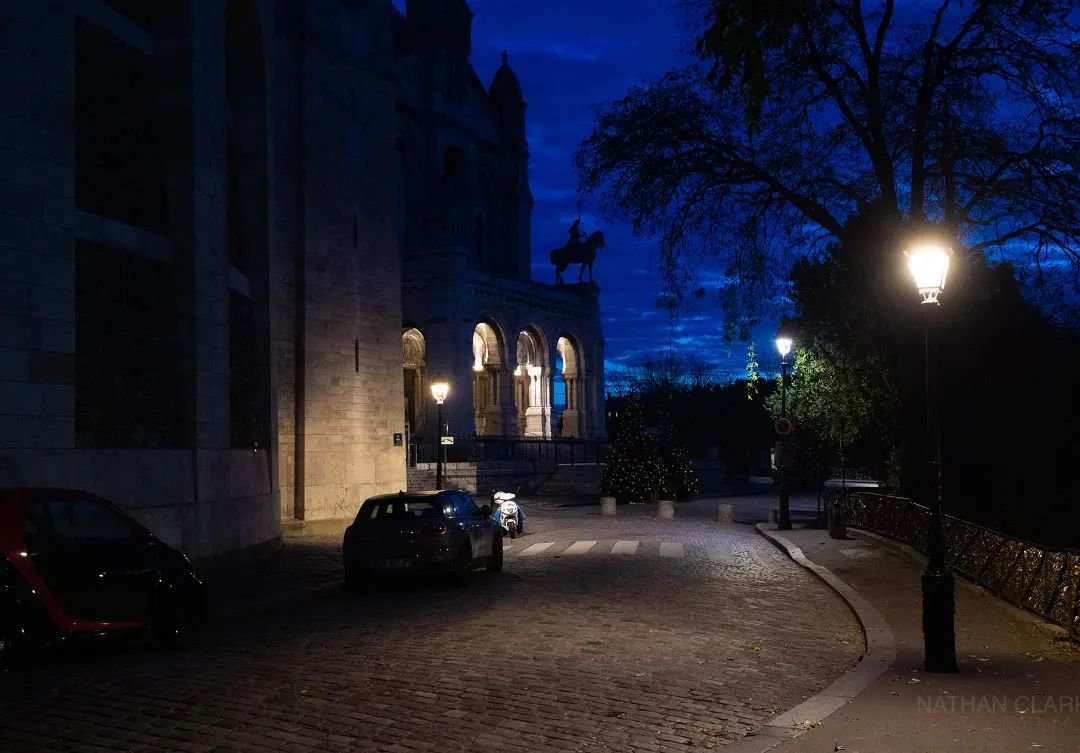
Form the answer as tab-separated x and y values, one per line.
419	479
545	480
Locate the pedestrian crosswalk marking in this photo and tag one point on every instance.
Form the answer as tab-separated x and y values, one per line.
580	547
625	547
537	548
671	550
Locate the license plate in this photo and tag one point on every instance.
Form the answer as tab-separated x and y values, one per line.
397	563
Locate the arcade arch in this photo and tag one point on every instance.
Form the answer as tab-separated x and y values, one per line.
532	384
414	369
488	366
572	388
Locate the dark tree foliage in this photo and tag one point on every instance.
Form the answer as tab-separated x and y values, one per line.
808	113
818	138
1006	381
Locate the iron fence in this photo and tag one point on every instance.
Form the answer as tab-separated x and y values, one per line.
1041	579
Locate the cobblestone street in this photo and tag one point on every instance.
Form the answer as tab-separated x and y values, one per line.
660	636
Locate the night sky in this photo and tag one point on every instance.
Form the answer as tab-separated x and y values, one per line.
570	56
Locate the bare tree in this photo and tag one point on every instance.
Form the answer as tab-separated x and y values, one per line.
811	113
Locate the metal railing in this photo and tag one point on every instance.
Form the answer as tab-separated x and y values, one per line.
1041	579
515	451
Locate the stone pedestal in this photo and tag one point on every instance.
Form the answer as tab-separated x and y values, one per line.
665	509
607	507
724	513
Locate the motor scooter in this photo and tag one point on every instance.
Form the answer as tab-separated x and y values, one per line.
508	513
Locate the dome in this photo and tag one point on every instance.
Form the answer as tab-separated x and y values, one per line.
505	86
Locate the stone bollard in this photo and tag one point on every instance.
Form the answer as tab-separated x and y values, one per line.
607	506
724	513
773	516
665	508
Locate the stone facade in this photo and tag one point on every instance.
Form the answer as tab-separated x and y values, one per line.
523	359
207	211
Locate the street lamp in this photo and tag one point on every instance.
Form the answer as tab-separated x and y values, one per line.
783	428
439	390
929	265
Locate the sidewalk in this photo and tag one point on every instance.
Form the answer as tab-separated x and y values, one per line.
1018	688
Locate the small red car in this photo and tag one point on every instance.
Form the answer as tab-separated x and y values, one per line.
73	564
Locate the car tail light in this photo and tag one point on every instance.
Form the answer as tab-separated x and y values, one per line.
434	530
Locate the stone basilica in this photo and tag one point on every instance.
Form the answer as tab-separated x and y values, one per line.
239	241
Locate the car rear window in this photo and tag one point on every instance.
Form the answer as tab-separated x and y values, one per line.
400	508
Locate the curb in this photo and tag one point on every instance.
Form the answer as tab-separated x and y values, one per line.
880	654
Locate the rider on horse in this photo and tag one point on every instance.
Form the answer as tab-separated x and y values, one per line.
577	235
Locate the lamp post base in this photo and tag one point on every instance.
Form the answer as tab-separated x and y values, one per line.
939	607
784	522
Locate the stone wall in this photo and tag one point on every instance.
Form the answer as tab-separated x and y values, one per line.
184	481
338	277
322	281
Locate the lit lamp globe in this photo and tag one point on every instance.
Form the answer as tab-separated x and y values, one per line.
439	391
783	344
929	265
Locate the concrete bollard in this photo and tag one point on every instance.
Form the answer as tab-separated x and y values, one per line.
607	507
773	517
665	508
724	513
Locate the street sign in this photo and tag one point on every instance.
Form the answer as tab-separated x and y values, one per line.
783	426
447	440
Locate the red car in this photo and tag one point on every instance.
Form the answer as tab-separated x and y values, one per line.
72	564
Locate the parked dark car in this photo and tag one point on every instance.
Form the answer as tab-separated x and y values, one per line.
413	532
73	565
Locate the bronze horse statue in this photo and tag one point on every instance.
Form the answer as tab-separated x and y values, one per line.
583	253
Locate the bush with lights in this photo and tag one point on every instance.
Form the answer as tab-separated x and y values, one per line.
633	471
645	465
678	480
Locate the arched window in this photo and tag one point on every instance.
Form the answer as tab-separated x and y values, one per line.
455	197
404	198
247	223
488	367
532	377
569	394
483	223
414	368
480	241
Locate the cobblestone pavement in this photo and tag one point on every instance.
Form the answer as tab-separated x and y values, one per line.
695	638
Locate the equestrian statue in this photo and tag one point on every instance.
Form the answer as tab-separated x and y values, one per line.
578	250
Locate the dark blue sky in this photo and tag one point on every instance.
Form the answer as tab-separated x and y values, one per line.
570	56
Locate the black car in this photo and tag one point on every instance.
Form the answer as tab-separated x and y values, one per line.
411	532
73	565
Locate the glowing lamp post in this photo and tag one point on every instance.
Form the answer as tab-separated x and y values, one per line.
439	391
929	265
783	428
